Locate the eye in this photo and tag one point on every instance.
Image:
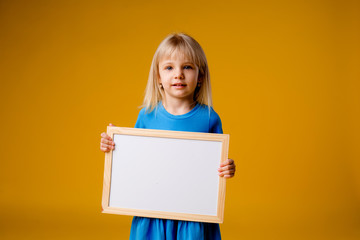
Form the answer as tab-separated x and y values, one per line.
188	67
168	68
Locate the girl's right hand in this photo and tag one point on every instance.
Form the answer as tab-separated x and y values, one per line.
106	143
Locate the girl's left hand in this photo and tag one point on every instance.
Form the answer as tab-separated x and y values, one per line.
227	169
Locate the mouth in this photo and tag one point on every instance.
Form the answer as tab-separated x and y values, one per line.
179	85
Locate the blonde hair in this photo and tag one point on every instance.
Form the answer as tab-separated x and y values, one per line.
188	46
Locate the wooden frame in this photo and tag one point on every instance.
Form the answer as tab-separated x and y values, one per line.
112	201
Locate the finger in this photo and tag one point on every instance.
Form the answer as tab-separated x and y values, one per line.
226	174
228	167
104	149
104	135
111	125
109	146
227	162
108	142
231	165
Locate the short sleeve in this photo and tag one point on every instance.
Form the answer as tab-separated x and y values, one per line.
140	120
215	123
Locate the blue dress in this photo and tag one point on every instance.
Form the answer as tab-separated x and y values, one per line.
200	119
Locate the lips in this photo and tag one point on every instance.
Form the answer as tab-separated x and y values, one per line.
179	85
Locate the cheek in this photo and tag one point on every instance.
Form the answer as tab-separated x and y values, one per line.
163	76
195	77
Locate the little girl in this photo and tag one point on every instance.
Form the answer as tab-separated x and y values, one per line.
178	97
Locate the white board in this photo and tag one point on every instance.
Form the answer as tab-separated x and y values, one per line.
165	174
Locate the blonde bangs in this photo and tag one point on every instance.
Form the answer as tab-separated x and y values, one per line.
185	51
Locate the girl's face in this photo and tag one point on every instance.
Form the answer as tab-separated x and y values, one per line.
178	76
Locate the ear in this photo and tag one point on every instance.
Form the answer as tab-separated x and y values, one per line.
159	83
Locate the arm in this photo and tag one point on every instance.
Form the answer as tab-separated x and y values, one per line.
227	168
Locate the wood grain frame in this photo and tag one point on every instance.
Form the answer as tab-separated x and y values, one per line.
223	138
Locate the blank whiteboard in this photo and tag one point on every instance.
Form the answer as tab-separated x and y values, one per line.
165	174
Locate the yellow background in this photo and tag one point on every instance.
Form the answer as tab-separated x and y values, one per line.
285	77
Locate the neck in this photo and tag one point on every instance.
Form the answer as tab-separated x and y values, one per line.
178	106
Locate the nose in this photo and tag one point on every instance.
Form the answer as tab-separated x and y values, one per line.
179	74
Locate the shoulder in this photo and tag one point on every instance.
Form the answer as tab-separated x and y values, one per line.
141	119
214	117
213	114
215	122
145	116
145	113
142	112
209	112
215	125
